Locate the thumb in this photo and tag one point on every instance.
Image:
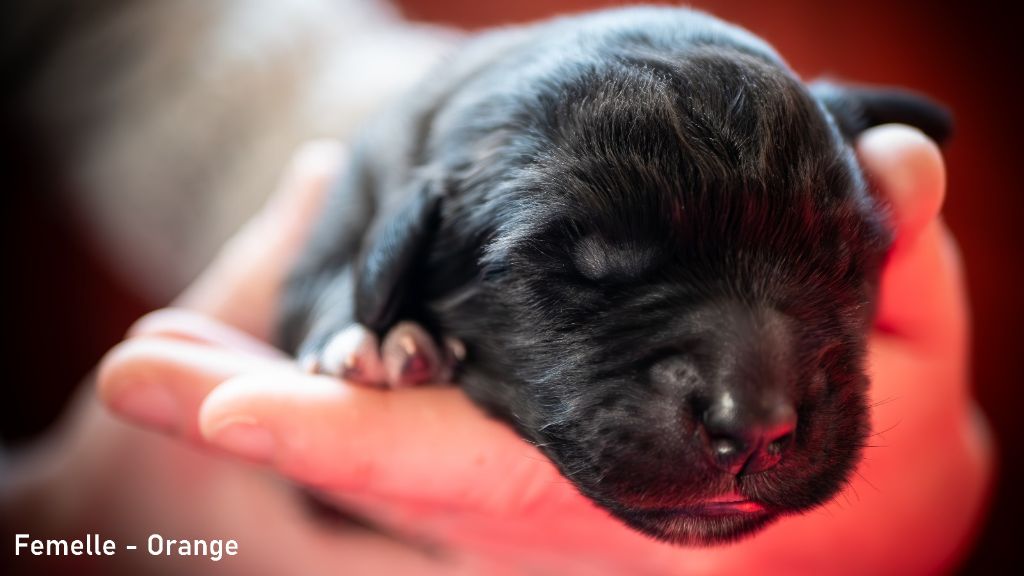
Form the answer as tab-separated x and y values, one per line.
922	298
241	286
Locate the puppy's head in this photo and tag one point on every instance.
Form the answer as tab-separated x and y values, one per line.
667	283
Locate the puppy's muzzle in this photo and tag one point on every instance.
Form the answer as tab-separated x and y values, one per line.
739	384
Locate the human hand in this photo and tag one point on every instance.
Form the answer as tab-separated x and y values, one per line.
95	474
426	464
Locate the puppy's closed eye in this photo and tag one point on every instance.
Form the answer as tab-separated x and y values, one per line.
602	260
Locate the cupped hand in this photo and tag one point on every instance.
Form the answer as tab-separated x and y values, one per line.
427	466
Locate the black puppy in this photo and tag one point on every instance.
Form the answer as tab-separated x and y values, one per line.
655	244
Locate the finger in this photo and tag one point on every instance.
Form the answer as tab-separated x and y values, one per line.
921	298
242	284
909	171
426	443
161	382
183	324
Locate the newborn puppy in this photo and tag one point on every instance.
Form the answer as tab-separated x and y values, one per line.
648	243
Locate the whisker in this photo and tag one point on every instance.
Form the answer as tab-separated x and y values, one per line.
866	481
883	401
889	429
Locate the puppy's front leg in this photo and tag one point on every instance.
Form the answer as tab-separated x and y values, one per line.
337	345
346	302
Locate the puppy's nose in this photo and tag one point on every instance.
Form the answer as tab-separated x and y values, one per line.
741	439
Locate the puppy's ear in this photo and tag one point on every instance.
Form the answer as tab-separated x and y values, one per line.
857	108
393	257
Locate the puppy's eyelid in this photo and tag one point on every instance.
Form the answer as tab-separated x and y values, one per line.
600	260
492	270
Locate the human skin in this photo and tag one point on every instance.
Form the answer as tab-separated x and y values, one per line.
427	466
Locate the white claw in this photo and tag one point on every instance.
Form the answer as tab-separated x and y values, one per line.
353	354
409	356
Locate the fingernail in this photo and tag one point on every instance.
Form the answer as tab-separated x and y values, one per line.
150	404
245	438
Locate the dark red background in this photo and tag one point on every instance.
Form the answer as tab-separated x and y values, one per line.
68	308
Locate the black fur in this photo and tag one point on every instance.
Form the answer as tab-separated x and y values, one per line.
624	216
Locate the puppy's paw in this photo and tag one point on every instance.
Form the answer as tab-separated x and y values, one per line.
411	356
408	356
352	354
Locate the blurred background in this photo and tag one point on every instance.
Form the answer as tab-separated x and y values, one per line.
136	135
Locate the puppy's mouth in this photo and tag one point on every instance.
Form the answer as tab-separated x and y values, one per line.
709	521
724	505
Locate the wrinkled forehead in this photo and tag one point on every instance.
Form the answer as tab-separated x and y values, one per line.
618	205
758	251
719	150
636	215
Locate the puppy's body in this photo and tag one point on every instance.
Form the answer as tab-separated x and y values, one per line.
654	241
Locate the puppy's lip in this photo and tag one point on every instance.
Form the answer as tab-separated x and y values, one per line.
730	507
724	505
